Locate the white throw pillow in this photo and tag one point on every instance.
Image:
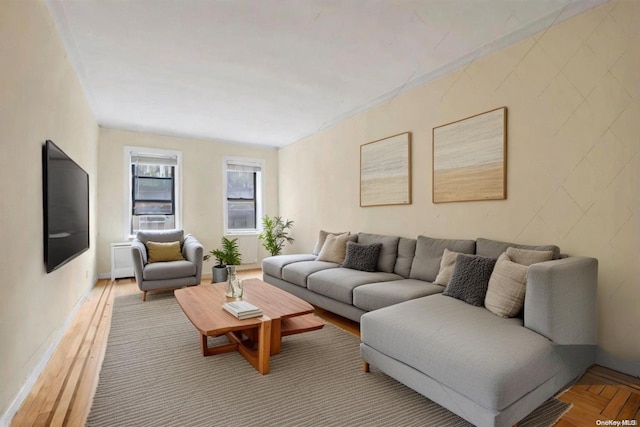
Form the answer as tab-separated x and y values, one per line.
507	285
322	237
447	264
528	256
335	248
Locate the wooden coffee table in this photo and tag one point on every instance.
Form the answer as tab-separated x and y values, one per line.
257	338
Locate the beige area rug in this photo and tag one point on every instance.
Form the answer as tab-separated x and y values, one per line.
153	374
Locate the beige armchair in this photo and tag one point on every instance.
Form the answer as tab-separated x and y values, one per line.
166	275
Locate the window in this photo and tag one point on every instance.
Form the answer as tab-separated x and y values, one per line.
243	195
153	177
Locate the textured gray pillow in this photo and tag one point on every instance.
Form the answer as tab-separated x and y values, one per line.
426	263
388	251
470	279
362	257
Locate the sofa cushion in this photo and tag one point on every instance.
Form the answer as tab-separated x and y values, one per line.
273	265
447	265
362	257
335	248
470	279
298	272
505	293
406	252
338	283
322	237
426	263
377	295
527	256
490	360
388	253
493	248
168	270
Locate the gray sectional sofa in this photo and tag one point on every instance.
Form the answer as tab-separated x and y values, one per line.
490	370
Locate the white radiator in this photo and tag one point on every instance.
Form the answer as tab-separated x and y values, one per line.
248	245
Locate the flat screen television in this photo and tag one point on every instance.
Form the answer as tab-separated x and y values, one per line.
66	207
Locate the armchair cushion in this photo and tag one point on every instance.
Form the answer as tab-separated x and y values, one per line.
168	270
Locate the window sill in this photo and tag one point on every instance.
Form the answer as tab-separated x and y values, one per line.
241	232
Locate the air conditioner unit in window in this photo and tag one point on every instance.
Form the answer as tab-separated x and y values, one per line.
156	222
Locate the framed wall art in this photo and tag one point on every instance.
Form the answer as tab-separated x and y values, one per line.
470	158
385	171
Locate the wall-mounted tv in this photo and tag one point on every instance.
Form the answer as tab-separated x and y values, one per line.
66	207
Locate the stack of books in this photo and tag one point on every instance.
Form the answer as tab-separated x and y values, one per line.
242	309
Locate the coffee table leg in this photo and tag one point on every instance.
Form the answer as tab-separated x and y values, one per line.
212	351
259	357
276	336
264	346
204	346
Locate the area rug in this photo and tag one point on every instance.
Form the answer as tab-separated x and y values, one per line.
153	374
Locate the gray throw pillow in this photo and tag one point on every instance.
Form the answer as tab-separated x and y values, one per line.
362	257
470	279
388	252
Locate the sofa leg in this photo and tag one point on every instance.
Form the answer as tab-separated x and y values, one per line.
144	295
366	367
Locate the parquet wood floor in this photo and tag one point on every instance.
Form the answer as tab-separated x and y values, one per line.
63	393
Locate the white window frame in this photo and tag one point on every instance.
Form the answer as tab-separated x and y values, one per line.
259	195
128	151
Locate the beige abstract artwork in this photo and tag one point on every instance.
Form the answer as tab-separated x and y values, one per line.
469	158
385	171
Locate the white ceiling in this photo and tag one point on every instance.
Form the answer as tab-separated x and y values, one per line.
271	72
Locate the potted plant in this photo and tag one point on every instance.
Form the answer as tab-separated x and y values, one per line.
274	234
229	254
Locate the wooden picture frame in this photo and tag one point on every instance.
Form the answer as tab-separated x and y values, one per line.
470	158
385	171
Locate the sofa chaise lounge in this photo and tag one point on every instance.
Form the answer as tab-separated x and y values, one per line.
490	370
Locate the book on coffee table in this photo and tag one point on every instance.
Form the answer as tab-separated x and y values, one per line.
242	309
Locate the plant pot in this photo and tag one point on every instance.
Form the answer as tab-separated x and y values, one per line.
218	273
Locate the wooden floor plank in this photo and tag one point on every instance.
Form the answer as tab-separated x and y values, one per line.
630	408
587	400
64	392
609	391
615	405
581	416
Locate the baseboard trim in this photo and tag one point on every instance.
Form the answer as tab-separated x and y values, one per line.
7	417
606	359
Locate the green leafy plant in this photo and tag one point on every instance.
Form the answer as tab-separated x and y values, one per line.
229	254
274	234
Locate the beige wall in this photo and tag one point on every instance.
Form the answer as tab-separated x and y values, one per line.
202	192
41	99
573	99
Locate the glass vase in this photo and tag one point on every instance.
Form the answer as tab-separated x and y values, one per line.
234	284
